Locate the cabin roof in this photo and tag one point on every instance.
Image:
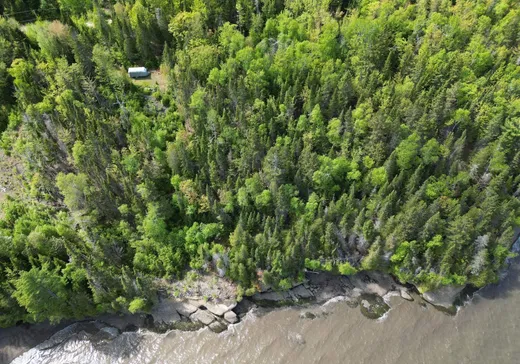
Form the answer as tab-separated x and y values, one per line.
137	69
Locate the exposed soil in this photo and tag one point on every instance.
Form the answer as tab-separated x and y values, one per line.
207	287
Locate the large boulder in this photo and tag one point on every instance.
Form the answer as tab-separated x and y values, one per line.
197	302
325	286
185	309
202	316
217	327
372	305
444	296
164	313
405	295
217	309
231	317
232	306
373	283
301	293
273	298
376	288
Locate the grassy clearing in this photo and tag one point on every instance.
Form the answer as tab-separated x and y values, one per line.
154	79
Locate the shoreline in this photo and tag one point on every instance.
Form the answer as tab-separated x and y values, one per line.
368	291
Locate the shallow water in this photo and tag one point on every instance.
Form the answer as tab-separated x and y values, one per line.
485	330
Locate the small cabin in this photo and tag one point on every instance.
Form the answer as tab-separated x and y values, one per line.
136	72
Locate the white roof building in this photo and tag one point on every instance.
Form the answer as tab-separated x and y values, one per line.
137	72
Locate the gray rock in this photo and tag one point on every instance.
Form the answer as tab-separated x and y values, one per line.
164	312
376	288
301	293
273	297
217	327
217	309
405	295
372	306
203	316
197	302
185	309
325	286
373	283
390	294
444	296
231	317
356	292
123	322
232	306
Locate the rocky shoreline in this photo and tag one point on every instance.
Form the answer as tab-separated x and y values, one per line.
210	301
369	291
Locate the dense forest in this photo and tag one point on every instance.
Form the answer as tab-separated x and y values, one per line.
288	135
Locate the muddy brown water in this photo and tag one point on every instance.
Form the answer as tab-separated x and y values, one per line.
485	330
